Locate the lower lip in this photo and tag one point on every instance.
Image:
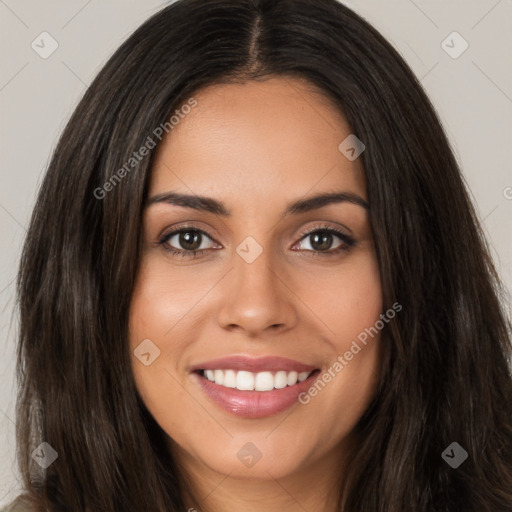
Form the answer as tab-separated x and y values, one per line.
254	404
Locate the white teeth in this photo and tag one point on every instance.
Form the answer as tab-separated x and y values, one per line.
229	379
280	380
264	381
302	376
291	378
261	381
244	381
219	376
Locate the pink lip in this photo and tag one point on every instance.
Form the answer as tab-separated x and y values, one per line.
254	364
254	404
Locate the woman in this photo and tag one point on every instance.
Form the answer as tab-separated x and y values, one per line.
254	280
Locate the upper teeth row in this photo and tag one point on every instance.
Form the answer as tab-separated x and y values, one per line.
248	381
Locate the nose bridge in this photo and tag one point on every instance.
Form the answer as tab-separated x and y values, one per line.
255	269
255	298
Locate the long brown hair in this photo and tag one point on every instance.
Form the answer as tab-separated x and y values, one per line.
446	373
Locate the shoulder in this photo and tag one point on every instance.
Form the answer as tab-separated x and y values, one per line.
17	508
17	505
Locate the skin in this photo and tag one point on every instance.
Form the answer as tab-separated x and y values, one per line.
256	147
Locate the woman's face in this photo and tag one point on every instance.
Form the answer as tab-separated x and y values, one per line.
263	304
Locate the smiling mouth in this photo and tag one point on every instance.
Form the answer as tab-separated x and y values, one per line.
251	381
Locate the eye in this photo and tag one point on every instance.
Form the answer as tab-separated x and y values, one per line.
321	240
185	241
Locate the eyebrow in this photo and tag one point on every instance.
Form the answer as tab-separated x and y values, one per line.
210	205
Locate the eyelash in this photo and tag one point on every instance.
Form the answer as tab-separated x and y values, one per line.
348	242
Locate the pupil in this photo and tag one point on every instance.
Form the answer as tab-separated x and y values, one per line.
189	238
321	240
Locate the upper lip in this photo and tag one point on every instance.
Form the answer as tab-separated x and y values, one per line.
254	364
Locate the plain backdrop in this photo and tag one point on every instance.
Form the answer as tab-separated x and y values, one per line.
472	94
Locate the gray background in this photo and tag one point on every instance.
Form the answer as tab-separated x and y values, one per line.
472	94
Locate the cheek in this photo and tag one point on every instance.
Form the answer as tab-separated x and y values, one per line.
163	300
347	300
350	303
165	315
358	303
154	310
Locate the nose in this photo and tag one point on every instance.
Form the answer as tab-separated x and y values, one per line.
257	298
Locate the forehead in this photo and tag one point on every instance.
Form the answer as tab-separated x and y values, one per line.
256	138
